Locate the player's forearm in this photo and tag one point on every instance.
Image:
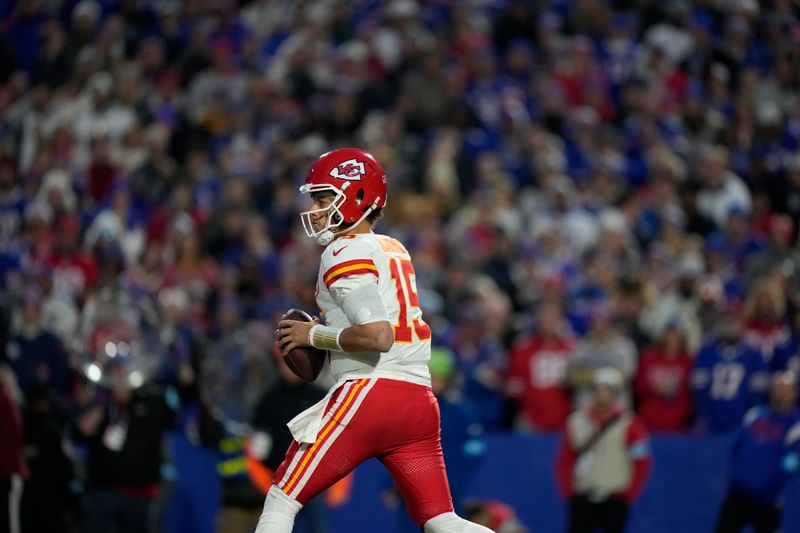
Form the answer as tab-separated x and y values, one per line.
372	337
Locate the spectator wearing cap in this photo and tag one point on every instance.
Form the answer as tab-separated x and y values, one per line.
103	115
117	224
536	382
728	377
85	17
764	458
672	32
723	190
662	390
603	346
603	459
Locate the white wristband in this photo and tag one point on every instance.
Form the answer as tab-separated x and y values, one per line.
325	337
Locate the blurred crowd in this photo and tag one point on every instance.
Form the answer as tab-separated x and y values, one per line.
581	184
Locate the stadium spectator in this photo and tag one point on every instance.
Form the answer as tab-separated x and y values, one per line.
536	380
604	458
121	432
728	377
51	469
59	313
739	238
13	468
787	353
679	302
603	346
479	363
765	326
780	258
724	191
74	270
36	356
663	394
765	457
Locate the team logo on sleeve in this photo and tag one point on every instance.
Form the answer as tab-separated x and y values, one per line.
352	170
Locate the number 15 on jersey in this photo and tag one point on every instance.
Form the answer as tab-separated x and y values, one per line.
409	319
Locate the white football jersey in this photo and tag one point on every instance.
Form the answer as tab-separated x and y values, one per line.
347	263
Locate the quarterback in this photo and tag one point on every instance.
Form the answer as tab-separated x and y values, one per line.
381	405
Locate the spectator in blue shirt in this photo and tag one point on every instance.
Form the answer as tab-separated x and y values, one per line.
765	456
36	356
729	377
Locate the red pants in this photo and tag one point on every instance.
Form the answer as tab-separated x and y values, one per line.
395	421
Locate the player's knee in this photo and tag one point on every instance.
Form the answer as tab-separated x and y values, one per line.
452	523
279	512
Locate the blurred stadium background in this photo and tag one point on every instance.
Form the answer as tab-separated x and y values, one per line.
622	176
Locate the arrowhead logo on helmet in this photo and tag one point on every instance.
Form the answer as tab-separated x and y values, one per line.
352	170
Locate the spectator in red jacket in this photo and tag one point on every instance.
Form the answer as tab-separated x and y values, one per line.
537	372
662	384
13	468
604	459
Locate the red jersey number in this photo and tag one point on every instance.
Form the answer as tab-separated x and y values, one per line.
403	275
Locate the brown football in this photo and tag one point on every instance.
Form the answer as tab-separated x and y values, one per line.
306	362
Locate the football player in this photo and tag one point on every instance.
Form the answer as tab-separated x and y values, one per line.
381	405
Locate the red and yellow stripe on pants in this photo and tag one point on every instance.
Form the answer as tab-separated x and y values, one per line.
307	456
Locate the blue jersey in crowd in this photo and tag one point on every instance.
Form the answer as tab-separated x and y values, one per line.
766	454
728	379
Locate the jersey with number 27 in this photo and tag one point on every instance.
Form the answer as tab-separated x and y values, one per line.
354	260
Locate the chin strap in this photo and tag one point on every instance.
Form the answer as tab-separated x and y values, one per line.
327	236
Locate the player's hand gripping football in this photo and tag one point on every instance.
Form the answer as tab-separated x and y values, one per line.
293	334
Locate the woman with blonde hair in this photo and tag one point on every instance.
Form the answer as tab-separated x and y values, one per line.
765	317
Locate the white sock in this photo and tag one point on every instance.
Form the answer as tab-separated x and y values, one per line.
452	523
279	512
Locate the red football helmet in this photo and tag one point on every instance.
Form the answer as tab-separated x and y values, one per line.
357	181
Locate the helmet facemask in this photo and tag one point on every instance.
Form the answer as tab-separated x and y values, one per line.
335	218
324	236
